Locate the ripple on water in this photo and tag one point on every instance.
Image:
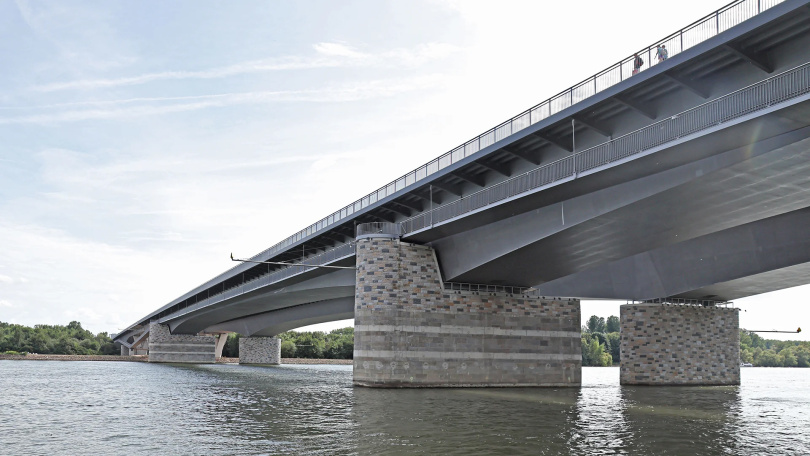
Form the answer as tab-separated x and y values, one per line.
138	408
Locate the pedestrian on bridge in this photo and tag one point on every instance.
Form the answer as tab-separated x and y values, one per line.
637	63
661	53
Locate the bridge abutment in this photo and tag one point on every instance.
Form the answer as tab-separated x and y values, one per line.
165	347
259	350
679	345
411	332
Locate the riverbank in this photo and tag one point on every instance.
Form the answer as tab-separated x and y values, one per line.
143	359
294	361
38	357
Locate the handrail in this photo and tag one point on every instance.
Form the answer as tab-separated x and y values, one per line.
378	228
699	31
686	302
775	89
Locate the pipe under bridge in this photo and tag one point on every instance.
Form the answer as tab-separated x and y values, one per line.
687	181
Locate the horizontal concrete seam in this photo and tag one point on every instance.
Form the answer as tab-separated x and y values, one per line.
390	354
154	353
165	344
466	330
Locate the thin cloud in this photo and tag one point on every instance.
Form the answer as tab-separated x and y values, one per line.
349	93
4	303
327	55
290	63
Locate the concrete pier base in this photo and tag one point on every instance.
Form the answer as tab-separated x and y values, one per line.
124	350
679	345
165	347
259	350
411	332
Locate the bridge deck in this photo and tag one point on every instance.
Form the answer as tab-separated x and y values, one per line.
730	49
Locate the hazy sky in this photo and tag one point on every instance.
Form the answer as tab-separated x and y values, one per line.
142	142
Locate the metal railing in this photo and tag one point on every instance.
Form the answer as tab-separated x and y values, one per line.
483	288
387	228
332	255
686	302
506	289
775	89
691	35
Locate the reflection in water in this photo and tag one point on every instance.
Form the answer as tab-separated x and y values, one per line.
681	420
136	408
464	421
601	428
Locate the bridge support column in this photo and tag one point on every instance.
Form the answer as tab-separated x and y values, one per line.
259	350
222	338
124	350
679	345
411	332
165	347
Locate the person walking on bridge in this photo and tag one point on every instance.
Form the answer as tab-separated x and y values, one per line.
637	63
661	53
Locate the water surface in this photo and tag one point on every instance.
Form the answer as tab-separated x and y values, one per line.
53	407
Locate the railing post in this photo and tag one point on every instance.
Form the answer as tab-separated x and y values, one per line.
717	22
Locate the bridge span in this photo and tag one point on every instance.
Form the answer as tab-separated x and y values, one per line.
685	183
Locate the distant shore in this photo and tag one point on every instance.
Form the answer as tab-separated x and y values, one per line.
38	357
143	358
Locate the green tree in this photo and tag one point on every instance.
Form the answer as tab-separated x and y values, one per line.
747	355
787	358
768	358
288	349
340	344
596	324
592	352
231	347
612	324
310	344
615	346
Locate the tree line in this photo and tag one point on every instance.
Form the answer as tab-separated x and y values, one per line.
55	340
600	344
336	344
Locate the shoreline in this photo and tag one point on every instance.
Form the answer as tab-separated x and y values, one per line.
145	359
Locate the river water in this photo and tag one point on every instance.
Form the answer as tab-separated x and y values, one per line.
89	408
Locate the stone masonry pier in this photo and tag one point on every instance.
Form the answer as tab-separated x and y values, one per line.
410	332
259	350
679	345
165	347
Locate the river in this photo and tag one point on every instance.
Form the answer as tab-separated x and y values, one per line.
89	408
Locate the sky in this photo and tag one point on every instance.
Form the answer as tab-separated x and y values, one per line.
143	142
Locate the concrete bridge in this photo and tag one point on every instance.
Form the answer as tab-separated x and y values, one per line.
679	188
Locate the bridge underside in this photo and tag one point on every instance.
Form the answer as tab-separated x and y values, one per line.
313	297
716	216
670	224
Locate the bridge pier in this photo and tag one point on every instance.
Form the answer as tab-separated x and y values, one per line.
259	350
411	332
667	344
165	347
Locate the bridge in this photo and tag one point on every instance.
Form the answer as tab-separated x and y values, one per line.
678	186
